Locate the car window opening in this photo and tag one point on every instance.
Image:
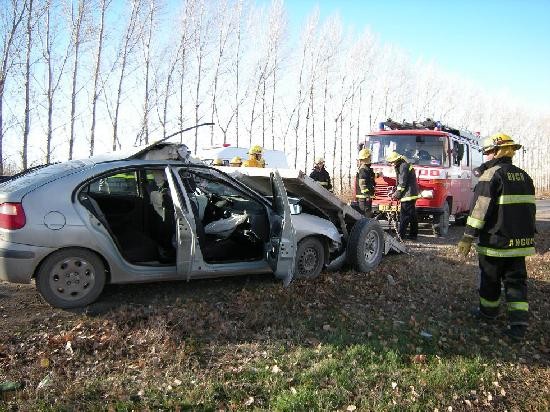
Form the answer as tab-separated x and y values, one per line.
230	225
137	210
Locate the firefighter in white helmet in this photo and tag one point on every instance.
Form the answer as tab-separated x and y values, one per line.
320	174
364	182
502	217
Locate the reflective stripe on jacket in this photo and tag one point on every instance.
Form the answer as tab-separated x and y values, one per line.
407	186
364	182
322	177
503	211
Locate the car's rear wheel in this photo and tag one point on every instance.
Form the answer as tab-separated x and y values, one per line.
71	278
310	258
366	245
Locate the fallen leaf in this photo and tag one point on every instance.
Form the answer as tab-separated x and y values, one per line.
419	358
44	363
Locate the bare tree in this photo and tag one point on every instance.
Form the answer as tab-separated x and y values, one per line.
307	39
225	23
26	126
278	25
150	18
238	31
131	37
185	37
77	36
55	66
104	4
200	41
11	15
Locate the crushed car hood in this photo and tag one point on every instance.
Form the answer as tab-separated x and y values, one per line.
299	185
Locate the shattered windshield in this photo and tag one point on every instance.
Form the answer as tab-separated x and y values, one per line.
424	150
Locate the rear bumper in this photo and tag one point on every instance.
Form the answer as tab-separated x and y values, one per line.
18	262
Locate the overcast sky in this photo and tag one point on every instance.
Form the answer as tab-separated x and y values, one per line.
502	45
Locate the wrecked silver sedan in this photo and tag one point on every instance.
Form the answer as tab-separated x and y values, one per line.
156	214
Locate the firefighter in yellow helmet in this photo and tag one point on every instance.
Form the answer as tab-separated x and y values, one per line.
217	162
255	157
236	162
364	182
320	174
502	217
406	192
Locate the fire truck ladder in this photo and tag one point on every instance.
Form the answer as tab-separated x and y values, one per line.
463	136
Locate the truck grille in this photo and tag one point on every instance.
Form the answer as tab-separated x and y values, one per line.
383	191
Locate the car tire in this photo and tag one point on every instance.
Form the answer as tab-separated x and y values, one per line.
71	278
310	258
440	226
366	245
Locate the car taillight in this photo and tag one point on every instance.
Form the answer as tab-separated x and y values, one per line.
12	216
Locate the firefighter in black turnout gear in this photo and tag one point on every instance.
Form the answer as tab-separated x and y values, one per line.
407	193
320	174
364	182
503	217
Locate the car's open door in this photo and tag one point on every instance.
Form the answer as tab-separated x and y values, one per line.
184	232
282	247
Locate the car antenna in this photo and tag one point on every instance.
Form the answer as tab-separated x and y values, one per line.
186	130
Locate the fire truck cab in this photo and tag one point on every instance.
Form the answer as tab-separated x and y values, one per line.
443	159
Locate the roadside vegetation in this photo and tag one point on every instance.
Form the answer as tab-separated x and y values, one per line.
398	338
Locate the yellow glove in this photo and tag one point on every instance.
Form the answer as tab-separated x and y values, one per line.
465	245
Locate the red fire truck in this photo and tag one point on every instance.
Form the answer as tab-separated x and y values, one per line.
443	158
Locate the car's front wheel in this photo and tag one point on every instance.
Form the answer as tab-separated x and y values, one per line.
71	278
310	258
366	245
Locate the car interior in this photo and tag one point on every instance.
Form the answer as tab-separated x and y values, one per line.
231	226
137	210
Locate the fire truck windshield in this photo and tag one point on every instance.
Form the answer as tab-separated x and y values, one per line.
424	150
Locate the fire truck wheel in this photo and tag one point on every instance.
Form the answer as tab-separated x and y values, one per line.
365	245
441	223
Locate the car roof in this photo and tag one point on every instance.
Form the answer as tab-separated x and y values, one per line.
163	152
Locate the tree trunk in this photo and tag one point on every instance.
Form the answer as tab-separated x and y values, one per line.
273	102
350	137
95	95
182	78
146	108
7	62
77	40
26	127
325	116
126	49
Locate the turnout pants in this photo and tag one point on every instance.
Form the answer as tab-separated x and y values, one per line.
512	272
408	217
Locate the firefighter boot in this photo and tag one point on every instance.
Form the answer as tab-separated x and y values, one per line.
516	333
480	315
